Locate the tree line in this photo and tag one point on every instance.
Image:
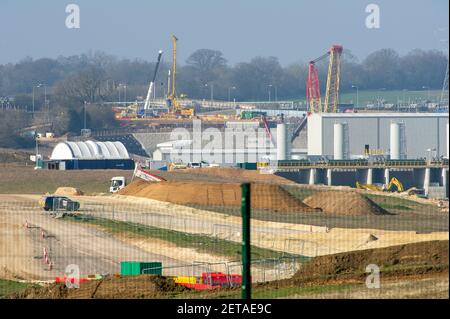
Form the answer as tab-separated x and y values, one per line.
62	85
101	77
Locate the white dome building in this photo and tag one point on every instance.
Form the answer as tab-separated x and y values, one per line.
89	150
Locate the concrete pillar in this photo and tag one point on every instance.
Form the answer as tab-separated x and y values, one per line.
369	180
281	142
338	149
395	141
448	146
312	176
329	179
445	181
444	177
426	181
386	176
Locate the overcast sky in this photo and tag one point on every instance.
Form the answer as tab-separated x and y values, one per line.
292	30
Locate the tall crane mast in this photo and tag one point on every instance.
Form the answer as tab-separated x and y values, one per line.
172	99
333	80
152	83
174	66
313	86
444	90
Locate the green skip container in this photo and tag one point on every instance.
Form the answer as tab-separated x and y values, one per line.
129	268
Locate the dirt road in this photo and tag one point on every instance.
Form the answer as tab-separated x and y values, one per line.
22	248
300	239
96	252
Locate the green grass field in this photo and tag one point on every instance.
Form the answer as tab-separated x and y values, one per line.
392	202
8	287
201	243
370	96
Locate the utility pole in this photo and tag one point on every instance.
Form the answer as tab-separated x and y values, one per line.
84	115
212	93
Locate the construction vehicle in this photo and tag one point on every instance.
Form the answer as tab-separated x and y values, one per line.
395	182
313	97
54	203
174	166
119	182
172	100
248	115
143	112
386	188
369	187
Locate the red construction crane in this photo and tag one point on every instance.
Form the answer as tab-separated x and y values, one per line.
313	89
332	90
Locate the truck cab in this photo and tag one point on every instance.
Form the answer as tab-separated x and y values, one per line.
117	183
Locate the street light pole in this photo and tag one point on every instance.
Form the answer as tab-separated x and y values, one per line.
84	114
45	95
229	92
33	100
428	92
357	95
270	89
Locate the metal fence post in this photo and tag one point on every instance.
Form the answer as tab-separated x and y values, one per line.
246	255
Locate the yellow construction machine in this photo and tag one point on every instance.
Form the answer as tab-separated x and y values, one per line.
369	187
175	107
395	182
386	188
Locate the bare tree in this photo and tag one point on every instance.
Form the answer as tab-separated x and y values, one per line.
83	86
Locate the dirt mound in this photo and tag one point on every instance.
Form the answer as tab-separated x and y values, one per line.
344	203
129	287
68	191
263	196
430	253
224	174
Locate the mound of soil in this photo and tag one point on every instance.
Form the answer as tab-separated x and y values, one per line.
68	191
344	203
223	174
127	287
430	253
263	196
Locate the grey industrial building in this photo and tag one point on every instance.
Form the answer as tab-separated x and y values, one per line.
417	135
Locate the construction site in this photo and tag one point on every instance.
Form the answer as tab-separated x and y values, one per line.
153	209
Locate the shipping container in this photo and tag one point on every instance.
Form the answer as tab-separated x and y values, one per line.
128	268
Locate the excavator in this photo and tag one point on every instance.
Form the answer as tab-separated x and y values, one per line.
172	100
387	188
395	182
